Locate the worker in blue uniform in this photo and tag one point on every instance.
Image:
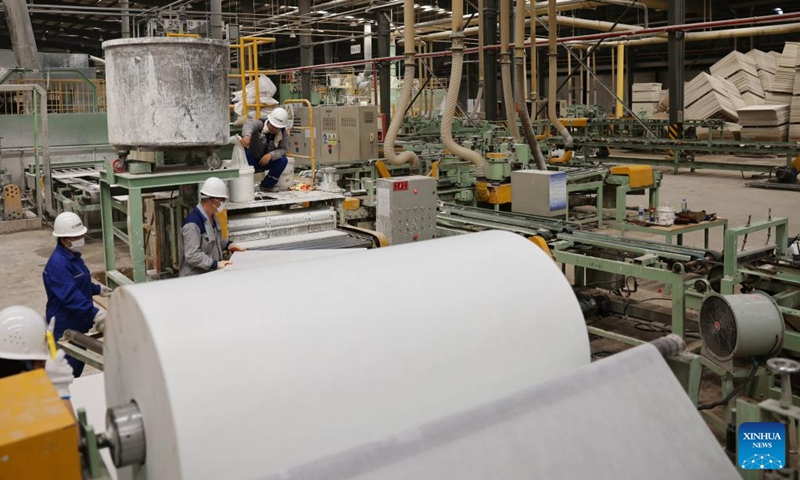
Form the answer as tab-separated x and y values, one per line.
266	146
68	283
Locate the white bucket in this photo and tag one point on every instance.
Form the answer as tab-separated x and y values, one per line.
666	216
242	188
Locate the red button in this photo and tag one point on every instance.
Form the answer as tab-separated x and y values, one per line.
416	191
416	236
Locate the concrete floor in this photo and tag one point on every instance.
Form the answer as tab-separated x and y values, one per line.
24	254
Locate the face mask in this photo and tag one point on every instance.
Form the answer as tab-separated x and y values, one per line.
77	245
221	207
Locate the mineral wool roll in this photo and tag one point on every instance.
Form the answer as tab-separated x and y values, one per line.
239	374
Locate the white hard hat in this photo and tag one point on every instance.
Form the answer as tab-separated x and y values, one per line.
22	334
215	188
68	224
279	118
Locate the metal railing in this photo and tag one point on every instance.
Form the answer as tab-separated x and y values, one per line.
63	96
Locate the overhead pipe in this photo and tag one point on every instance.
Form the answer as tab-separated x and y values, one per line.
624	34
553	77
519	100
453	88
505	71
404	101
481	61
760	31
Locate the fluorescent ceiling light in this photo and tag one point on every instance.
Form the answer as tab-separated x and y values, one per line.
779	10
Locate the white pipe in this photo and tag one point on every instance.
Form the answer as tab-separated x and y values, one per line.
389	154
553	77
591	24
715	35
453	89
21	31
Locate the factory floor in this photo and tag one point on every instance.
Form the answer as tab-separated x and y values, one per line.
25	254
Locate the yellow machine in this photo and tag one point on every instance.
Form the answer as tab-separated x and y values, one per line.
39	435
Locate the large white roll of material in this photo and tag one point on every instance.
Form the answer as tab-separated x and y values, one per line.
241	374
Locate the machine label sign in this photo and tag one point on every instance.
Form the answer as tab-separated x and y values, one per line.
761	446
558	191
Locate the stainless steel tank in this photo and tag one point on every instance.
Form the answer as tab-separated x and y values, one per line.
167	92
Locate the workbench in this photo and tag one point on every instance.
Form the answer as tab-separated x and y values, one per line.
674	231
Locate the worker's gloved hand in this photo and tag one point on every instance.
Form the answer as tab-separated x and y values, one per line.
60	373
105	291
223	263
236	248
246	141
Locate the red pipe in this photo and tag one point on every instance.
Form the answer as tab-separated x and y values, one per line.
583	38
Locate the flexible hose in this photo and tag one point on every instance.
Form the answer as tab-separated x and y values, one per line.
522	110
407	157
508	98
505	70
405	96
481	190
552	88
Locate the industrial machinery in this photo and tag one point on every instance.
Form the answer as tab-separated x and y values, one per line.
740	326
154	110
531	371
342	134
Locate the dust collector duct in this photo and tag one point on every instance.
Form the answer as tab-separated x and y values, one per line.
505	71
454	86
311	376
405	95
552	76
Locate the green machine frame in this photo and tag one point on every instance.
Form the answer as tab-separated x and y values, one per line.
134	185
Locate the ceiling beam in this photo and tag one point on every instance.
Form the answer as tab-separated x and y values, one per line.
110	25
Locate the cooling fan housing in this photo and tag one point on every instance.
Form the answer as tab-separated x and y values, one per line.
738	326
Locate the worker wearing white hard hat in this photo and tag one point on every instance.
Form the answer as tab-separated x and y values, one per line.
23	348
265	146
202	243
68	283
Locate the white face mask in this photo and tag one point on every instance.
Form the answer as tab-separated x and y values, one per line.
221	207
77	245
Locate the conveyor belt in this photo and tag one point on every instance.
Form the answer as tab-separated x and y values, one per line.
481	218
635	245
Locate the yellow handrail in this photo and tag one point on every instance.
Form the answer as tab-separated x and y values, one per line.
248	68
311	135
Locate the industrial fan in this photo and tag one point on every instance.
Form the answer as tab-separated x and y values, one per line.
740	326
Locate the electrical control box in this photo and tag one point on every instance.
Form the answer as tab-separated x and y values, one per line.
539	192
406	208
345	134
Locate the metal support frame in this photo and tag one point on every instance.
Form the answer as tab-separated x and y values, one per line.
676	15
671	279
135	185
306	50
732	273
384	72
40	127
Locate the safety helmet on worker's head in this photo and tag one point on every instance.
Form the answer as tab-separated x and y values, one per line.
279	118
68	224
22	334
213	187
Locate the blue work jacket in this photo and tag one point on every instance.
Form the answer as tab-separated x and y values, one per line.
69	288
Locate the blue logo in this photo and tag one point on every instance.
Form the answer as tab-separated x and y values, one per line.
762	446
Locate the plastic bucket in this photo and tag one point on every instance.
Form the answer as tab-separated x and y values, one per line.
242	189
